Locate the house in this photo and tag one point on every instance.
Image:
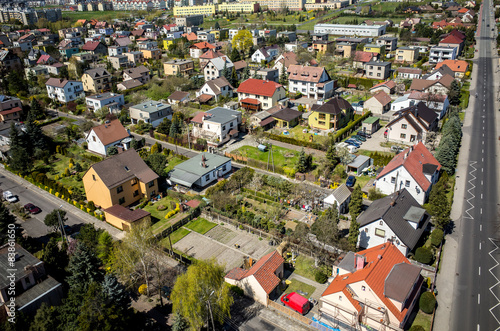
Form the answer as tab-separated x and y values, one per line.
96	80
25	287
267	54
406	55
415	169
135	57
196	50
217	126
359	163
208	55
388	87
265	74
437	102
120	180
111	133
332	115
374	48
379	103
95	47
153	53
290	36
284	61
390	43
439	72
178	67
152	112
256	94
128	84
287	118
9	62
312	82
411	124
459	67
178	97
453	41
262	119
438	86
323	46
341	196
215	67
377	288
219	87
113	101
397	218
64	90
346	50
409	73
119	62
10	108
441	53
201	170
371	125
140	73
124	218
117	50
361	58
377	70
261	281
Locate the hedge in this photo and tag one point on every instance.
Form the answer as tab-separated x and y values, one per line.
294	141
349	127
54	120
427	302
424	255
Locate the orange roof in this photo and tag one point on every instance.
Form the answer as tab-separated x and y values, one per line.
463	10
379	261
451	39
454	65
258	87
190	36
202	45
251	101
390	84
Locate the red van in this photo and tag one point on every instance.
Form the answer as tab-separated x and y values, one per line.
296	302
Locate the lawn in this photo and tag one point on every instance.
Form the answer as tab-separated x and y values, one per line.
98	15
297	133
310	25
465	94
200	225
423	320
160	214
283	157
172	162
175	237
304	266
299	286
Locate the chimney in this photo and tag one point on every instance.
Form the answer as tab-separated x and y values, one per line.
360	262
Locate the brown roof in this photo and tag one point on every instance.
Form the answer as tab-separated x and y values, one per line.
193	203
287	114
122	168
288	59
111	132
204	97
178	95
361	56
130	83
383	98
423	84
90	45
57	82
136	72
390	84
97	72
126	214
218	83
240	65
410	70
334	106
305	74
198	118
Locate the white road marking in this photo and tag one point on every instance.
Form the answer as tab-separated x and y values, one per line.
483	142
480	227
479	249
496	278
472	196
482	150
479	271
478	299
482	159
481	195
481	182
478	327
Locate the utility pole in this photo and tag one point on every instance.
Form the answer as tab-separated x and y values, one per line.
63	233
189	138
211	316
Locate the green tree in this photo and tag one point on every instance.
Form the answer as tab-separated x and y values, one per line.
45	319
437	237
234	78
427	302
331	156
115	292
112	150
20	159
104	247
243	40
283	77
179	323
455	93
217	25
353	234
89	235
164	126
84	268
235	55
176	126
245	73
55	258
6	218
439	205
157	163
326	226
34	135
52	219
424	255
36	109
202	283
356	203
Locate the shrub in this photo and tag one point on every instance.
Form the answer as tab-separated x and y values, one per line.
375	194
143	289
427	302
436	237
424	255
320	277
417	328
91	205
161	207
236	290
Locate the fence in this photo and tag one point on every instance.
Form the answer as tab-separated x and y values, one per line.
236	157
195	213
288	312
182	141
211	216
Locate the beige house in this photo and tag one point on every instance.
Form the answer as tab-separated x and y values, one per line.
96	80
135	57
123	218
379	103
261	281
345	49
406	54
377	70
140	73
257	94
154	53
412	124
119	61
376	288
173	67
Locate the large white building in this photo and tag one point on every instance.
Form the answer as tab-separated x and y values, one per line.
350	30
64	90
113	101
440	53
312	82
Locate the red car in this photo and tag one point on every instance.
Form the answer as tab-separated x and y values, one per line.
296	302
32	209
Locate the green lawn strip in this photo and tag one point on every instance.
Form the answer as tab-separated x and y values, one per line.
304	266
98	15
172	162
423	320
153	209
297	285
297	133
279	153
200	225
175	237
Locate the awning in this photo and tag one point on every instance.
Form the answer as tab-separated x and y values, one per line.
183	178
251	101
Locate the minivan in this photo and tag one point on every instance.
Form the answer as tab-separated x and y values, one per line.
296	302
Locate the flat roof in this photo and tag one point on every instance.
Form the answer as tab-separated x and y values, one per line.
151	106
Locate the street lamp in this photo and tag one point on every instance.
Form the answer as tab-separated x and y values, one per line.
63	233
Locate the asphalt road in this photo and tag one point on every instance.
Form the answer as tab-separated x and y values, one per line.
475	303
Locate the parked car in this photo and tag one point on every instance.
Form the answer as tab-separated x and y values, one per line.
396	149
353	142
31	208
351	180
7	195
296	302
364	134
359	138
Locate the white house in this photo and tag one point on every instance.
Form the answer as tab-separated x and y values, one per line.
412	124
64	90
217	88
441	53
217	126
152	112
111	133
409	73
201	170
214	67
402	102
113	101
437	102
312	82
341	196
415	169
117	50
351	30
265	54
397	218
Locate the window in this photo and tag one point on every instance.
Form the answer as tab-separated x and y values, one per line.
403	136
381	223
207	177
133	181
136	193
151	183
340	298
322	116
231	124
404	126
393	180
121	201
321	123
378	74
380	233
363	288
119	189
224	167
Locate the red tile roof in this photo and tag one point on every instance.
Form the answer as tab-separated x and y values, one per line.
198	118
360	56
202	45
454	65
413	159
44	58
258	87
251	101
193	203
90	45
211	54
451	39
190	36
390	84
379	262
11	111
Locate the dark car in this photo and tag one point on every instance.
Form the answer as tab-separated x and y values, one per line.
359	138
31	208
353	142
364	134
351	180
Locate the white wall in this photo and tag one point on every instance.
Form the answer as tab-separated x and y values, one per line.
213	175
400	174
368	239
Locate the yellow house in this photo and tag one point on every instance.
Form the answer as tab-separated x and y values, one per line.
194	10
406	54
238	7
372	48
167	42
120	180
335	114
124	218
220	34
173	67
154	53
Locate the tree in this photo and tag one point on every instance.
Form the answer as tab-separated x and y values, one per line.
202	284
179	323
284	77
427	302
356	203
246	73
52	219
303	56
243	40
55	258
424	255
104	247
234	77
326	226
34	135
20	159
176	126
344	155
112	150
164	126
6	219
84	268
353	234
331	156
115	292
455	93
45	319
437	237
157	162
217	25
304	162
439	205
235	55
36	109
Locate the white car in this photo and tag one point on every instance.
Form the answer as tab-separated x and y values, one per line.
7	195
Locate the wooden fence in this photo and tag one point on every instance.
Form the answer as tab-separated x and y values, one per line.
236	157
288	312
221	218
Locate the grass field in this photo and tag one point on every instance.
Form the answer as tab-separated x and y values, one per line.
424	320
283	157
160	215
200	225
297	133
297	285
98	15
175	237
304	266
172	162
